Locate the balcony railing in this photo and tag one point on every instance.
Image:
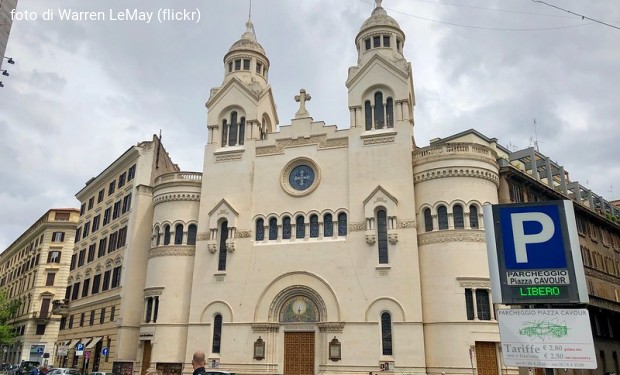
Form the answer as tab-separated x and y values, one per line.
60	307
179	176
41	315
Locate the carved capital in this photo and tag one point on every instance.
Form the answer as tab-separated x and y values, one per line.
212	247
230	246
393	238
371	239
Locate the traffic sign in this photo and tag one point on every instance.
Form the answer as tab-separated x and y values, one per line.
62	350
533	251
40	350
87	354
79	349
105	351
550	338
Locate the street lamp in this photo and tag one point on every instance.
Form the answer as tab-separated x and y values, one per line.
10	60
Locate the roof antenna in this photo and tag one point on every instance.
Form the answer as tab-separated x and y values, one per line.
534	140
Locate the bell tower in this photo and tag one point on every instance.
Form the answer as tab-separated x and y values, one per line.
380	86
242	108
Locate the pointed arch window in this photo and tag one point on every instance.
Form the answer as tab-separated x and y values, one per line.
273	229
178	234
221	265
192	230
473	217
314	226
300	227
286	228
217	334
167	235
260	230
342	224
386	333
233	132
328	226
382	236
428	220
457	215
442	216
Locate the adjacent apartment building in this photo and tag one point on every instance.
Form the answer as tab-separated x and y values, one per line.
34	270
102	305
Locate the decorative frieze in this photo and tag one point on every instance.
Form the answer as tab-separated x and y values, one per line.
356	227
244	234
229	156
265	327
202	236
404	224
335	327
451	236
320	140
378	140
474	283
164	251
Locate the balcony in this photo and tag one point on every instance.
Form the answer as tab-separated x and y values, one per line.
41	316
195	177
60	307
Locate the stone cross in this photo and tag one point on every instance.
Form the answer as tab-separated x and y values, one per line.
302	98
302	178
378	3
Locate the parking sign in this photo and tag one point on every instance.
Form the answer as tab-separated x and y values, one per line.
534	255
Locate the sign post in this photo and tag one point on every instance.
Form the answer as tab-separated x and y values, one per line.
79	349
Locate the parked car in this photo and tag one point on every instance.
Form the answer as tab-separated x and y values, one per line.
63	371
218	372
100	373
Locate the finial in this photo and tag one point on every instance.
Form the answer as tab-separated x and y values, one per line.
378	3
249	26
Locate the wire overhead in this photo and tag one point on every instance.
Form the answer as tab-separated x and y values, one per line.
576	14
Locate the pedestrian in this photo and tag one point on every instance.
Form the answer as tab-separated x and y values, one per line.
35	370
198	362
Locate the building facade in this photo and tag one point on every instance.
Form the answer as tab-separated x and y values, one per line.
6	6
311	249
101	309
34	270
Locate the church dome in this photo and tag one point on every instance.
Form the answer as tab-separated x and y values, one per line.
247	41
379	17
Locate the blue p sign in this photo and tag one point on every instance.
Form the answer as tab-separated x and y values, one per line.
534	255
532	237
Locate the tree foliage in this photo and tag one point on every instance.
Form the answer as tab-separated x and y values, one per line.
8	309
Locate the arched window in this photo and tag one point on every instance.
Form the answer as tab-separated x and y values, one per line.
286	228
273	229
260	230
233	132
457	215
442	216
383	112
386	333
368	114
473	217
382	236
217	334
379	118
157	236
232	136
389	112
221	266
178	234
300	227
328	226
314	226
428	220
342	224
167	235
192	229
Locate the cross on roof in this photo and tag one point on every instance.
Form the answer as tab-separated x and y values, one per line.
302	98
378	3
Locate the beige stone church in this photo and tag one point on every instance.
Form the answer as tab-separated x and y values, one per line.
311	255
304	248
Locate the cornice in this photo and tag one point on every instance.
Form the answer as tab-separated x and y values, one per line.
470	172
176	197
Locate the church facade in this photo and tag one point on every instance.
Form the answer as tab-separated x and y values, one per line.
312	257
